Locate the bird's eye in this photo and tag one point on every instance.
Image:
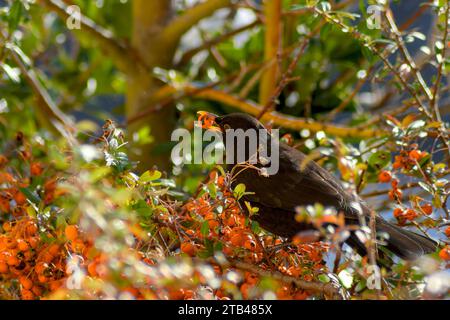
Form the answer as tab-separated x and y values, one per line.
226	126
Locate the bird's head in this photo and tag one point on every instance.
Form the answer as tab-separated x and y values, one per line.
230	121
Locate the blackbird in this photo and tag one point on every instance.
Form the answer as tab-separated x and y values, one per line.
301	182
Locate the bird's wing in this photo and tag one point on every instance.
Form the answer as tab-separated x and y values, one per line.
295	184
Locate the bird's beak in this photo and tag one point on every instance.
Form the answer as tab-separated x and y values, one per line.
208	121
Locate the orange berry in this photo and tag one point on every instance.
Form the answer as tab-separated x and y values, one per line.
249	244
397	165
447	232
394	183
47	257
37	290
7	226
410	214
20	198
26	283
294	271
13	261
71	232
288	139
227	250
245	288
36	169
31	229
395	194
188	248
444	254
29	255
213	224
283	293
33	242
92	269
27	295
42	278
41	267
3	160
3	267
251	278
54	249
268	241
236	240
427	209
55	285
384	176
398	212
189	294
231	221
22	245
11	243
177	294
415	155
301	295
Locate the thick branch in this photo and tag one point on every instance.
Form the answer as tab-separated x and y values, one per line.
285	121
117	50
272	43
190	17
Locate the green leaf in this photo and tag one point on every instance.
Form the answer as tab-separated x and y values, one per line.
426	187
10	72
212	188
439	167
15	15
33	197
323	278
204	254
167	183
218	247
150	175
205	228
379	160
360	286
239	191
418	124
255	227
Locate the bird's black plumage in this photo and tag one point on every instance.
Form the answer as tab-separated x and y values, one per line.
301	181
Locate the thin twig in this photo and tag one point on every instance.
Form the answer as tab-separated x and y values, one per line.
434	98
47	112
287	74
405	53
325	288
187	56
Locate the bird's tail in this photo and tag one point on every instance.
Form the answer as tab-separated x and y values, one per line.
403	243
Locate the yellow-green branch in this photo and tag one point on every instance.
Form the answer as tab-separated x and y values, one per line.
272	42
279	119
179	25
